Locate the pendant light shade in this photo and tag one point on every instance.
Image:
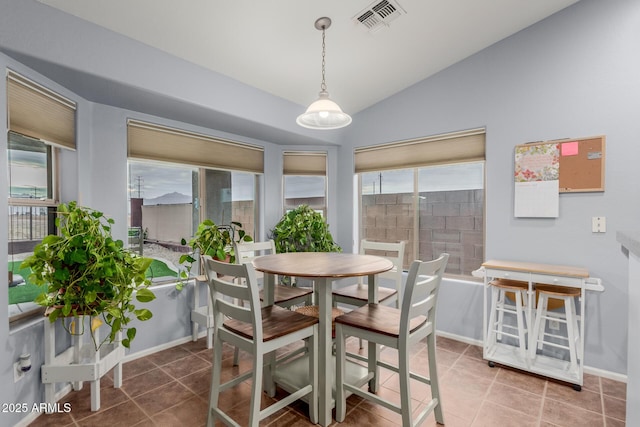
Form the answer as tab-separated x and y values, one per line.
323	113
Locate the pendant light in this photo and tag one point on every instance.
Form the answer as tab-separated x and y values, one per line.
323	113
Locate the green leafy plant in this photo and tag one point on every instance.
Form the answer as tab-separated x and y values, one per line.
88	273
213	240
303	230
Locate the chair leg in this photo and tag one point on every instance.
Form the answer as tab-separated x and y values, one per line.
236	356
433	377
537	334
405	392
569	308
373	355
216	369
313	377
491	333
256	390
341	404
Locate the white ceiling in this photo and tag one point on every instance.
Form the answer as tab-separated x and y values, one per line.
273	45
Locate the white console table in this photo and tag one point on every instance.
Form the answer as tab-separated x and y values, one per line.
80	362
536	273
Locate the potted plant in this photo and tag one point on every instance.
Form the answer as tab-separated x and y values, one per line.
214	240
88	273
303	230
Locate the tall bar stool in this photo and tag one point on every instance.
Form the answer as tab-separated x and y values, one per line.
570	318
503	291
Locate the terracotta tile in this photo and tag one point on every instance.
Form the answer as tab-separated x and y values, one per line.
591	383
522	401
198	382
445	357
612	422
196	346
135	367
190	413
565	393
124	415
145	382
240	412
167	356
464	405
562	414
492	414
451	345
615	408
472	394
53	420
183	367
81	400
291	419
521	380
614	388
475	367
163	397
455	380
474	351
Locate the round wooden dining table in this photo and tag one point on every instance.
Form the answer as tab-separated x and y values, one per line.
323	268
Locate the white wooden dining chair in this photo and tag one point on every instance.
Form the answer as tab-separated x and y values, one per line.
259	331
284	296
358	294
399	329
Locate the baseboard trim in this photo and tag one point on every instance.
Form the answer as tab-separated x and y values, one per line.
587	369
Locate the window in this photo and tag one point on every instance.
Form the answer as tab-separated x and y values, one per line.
433	207
305	181
171	194
41	123
32	210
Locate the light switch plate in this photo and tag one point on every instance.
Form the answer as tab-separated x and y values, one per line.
598	224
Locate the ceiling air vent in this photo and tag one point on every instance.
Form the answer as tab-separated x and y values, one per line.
378	14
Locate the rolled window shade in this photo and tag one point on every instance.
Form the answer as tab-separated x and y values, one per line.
455	147
38	112
154	142
304	163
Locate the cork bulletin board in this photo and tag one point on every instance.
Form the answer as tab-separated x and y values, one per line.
581	163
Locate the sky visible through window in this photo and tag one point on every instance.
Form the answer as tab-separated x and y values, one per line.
462	176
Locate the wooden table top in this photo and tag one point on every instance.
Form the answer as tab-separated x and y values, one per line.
558	270
322	264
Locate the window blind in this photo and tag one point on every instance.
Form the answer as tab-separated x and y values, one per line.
454	147
155	142
38	112
304	163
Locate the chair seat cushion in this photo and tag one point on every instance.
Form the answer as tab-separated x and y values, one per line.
276	322
361	292
282	293
380	319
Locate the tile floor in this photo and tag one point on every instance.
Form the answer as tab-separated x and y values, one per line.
171	388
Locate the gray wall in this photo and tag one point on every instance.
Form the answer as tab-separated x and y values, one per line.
575	74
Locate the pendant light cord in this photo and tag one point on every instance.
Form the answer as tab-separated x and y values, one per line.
323	86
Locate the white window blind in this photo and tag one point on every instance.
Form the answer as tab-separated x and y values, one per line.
38	112
454	147
155	142
304	163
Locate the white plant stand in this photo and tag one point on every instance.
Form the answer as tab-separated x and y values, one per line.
80	362
201	314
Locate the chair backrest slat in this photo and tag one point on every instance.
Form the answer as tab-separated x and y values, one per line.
394	252
247	251
421	290
231	286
